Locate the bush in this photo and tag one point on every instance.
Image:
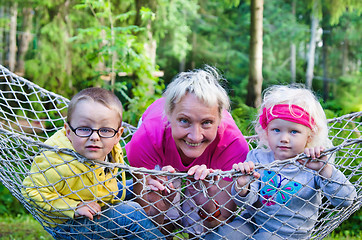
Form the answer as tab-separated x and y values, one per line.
9	205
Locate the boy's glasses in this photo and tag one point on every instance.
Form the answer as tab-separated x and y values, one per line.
87	131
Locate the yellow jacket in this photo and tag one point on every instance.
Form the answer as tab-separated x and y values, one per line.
58	182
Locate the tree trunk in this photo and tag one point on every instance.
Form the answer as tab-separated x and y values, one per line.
12	36
255	54
68	47
345	57
182	65
150	49
25	39
293	55
2	42
311	52
325	68
325	35
194	47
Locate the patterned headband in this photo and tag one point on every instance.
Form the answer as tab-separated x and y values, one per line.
292	113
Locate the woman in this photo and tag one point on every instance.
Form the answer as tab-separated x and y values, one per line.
189	130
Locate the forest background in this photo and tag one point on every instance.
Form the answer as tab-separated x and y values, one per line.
135	48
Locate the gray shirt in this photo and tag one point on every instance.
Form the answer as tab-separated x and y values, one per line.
285	200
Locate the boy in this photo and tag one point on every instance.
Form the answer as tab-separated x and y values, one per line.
80	199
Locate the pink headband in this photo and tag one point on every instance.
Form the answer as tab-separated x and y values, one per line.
292	113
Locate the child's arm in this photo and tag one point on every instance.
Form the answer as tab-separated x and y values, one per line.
335	186
155	196
217	208
246	168
321	166
45	184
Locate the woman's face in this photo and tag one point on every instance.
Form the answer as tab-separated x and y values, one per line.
194	126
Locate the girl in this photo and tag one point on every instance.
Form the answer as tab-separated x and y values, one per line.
284	202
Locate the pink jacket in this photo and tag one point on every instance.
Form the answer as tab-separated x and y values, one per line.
152	144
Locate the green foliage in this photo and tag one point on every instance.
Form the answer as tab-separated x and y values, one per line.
349	229
244	117
141	100
347	95
173	23
282	25
8	204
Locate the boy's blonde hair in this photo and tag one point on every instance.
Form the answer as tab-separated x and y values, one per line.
204	83
96	94
295	95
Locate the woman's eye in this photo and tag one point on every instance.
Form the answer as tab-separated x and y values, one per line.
206	123
183	121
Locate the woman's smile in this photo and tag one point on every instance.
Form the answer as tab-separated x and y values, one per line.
193	125
193	144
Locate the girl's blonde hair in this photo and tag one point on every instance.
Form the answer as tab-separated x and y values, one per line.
204	83
302	97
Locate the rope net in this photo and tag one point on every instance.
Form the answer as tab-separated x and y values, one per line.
29	115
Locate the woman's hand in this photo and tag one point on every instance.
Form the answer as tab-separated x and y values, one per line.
159	188
87	209
196	173
157	183
322	166
246	168
199	172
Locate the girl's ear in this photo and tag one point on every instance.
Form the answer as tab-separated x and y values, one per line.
310	137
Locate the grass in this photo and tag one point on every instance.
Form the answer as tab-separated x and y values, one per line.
25	227
22	227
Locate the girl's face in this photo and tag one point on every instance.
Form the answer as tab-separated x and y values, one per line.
287	139
93	115
194	126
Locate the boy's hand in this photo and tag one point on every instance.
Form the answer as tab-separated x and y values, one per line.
245	168
87	209
322	166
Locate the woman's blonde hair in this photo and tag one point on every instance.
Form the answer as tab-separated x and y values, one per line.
295	94
204	83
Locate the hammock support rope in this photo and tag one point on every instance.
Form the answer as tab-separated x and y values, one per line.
30	114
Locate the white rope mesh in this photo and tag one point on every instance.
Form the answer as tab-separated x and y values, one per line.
29	115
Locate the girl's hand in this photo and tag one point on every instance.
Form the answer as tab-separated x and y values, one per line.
199	172
87	209
246	168
322	166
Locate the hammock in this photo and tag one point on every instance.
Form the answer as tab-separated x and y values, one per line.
30	114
